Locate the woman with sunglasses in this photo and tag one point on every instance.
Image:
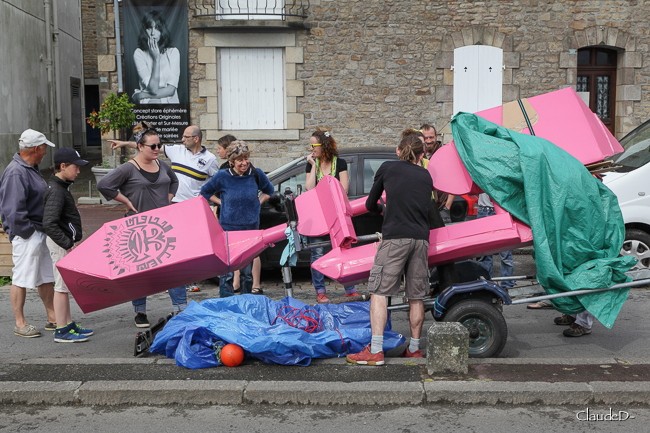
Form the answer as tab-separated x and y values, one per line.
324	161
142	184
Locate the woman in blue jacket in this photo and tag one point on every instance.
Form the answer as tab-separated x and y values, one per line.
237	191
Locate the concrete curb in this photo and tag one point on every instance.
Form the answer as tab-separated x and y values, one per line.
233	392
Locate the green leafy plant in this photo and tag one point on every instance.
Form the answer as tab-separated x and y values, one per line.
115	113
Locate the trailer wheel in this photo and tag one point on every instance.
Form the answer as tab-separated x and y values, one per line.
487	327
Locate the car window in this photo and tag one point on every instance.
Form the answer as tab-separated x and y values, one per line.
370	166
297	178
636	145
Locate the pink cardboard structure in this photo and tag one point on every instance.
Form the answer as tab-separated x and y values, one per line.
152	251
561	117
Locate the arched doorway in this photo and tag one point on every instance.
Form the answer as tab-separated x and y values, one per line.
597	78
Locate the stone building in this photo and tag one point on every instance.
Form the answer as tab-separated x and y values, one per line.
368	69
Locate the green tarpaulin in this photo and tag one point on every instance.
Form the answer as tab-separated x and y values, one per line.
577	224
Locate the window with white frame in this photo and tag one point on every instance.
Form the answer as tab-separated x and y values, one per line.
251	88
250	9
478	78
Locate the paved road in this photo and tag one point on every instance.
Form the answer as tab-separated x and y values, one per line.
296	419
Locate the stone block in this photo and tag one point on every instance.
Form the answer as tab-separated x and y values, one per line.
208	88
209	121
207	55
295	121
511	59
445	59
632	60
447	348
294	55
568	60
295	88
106	63
628	92
444	93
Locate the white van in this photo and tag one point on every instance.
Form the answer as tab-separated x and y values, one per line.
631	184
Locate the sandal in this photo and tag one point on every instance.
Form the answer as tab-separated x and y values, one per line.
257	291
541	305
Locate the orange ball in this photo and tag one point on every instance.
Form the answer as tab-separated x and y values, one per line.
232	355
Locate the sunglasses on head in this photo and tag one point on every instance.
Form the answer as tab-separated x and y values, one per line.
315	145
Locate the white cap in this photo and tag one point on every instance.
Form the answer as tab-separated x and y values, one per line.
31	138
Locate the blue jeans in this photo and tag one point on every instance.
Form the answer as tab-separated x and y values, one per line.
317	278
507	262
226	288
178	296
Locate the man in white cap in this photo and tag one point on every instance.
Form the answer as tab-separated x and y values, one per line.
22	189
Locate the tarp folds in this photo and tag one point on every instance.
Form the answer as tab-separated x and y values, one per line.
577	224
255	323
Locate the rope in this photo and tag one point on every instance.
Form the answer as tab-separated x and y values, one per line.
306	319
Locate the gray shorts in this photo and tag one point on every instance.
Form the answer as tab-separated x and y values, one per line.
397	257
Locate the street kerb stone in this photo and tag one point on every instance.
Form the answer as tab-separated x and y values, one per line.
38	392
485	392
621	392
334	393
161	392
447	348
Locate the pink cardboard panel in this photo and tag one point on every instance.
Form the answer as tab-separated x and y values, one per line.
145	253
560	117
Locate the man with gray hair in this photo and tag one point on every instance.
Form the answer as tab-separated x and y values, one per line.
22	190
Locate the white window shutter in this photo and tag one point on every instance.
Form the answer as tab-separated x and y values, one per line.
251	88
466	78
478	78
490	77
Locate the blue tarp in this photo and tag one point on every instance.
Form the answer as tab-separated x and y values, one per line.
253	322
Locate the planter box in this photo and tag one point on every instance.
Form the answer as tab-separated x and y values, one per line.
6	261
100	172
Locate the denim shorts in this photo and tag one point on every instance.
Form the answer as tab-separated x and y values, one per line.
396	258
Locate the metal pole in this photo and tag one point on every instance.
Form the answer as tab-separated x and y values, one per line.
118	45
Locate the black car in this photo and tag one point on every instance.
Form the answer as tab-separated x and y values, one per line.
362	165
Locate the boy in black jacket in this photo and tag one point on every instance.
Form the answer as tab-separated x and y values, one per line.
62	225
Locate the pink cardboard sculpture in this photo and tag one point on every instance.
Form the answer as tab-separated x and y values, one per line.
152	251
561	117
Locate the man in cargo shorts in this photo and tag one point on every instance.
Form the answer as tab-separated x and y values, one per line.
403	249
22	189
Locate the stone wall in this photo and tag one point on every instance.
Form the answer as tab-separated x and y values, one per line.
371	68
89	31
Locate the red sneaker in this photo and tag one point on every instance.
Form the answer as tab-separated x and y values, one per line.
408	354
322	298
366	358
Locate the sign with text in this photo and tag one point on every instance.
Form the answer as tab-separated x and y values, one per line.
156	65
